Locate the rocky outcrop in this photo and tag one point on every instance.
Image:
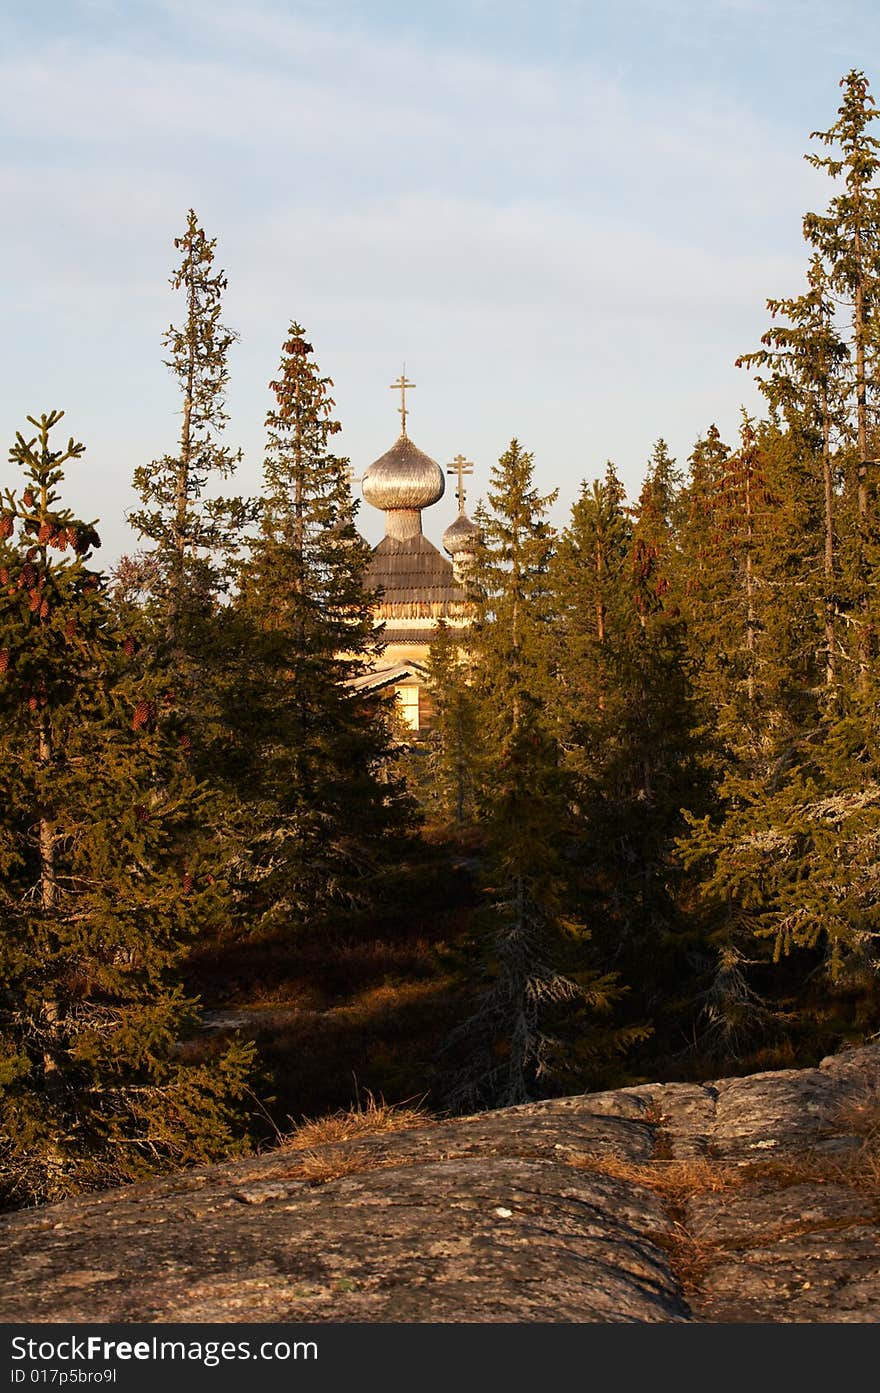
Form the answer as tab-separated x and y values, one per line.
754	1199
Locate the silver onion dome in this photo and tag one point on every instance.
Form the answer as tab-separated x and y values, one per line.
460	536
403	478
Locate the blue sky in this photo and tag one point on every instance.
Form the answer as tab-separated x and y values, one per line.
565	217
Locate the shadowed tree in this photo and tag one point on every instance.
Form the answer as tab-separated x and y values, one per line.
312	753
534	1021
105	876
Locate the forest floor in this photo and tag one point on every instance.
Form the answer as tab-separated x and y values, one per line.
358	1006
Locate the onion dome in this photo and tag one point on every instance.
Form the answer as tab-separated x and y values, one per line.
460	536
403	478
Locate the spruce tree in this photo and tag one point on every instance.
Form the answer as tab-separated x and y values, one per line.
758	608
187	530
191	534
509	1050
847	239
451	752
807	359
628	724
105	875
310	752
589	581
786	858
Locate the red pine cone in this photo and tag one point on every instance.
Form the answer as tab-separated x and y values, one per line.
27	498
44	610
4	659
46	533
129	647
187	883
4	576
32	703
35	601
144	713
28	576
7	526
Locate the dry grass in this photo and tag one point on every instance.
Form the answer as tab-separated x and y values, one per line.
676	1181
859	1115
350	1124
679	1180
318	1167
318	1157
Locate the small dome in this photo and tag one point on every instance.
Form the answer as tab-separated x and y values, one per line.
460	536
404	477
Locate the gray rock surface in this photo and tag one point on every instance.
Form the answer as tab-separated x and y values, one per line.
740	1200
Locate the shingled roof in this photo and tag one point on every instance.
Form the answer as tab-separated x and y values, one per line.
412	573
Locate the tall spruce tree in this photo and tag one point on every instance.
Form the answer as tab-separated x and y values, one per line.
847	239
532	951
588	579
786	864
105	875
807	357
191	534
627	723
312	754
764	704
185	529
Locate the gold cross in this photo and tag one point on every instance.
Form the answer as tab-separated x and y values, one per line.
460	466
400	386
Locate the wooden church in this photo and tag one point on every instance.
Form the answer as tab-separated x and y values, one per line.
417	585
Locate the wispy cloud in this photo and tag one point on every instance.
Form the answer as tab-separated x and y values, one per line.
590	248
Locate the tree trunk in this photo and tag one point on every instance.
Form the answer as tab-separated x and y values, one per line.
183	471
830	636
859	331
751	618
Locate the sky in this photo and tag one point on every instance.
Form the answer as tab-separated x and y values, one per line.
565	218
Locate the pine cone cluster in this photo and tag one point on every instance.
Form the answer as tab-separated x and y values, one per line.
53	535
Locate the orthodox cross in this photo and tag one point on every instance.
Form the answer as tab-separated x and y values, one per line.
400	386
460	466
